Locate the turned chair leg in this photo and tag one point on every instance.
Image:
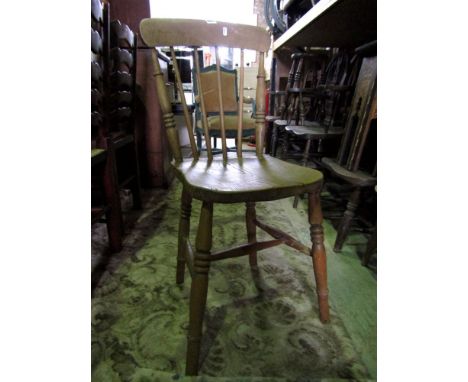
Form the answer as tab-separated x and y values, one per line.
371	248
345	223
285	146
318	254
274	140
199	288
114	213
305	157
250	216
184	230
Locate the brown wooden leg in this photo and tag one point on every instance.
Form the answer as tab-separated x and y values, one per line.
284	151
318	254
274	139
250	216
305	157
184	229
114	215
370	249
199	287
136	188
345	223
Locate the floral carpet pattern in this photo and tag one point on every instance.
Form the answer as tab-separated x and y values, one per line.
259	326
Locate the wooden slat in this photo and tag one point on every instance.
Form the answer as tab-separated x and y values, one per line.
284	237
187	116
241	107
244	249
173	32
221	106
202	105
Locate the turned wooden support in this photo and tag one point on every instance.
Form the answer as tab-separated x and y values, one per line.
199	289
370	249
250	216
348	215
166	109
260	106
305	157
274	139
318	254
184	229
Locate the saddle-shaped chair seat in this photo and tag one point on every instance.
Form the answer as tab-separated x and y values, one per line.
250	179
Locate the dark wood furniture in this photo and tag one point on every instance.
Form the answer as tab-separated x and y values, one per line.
362	118
229	178
122	105
105	201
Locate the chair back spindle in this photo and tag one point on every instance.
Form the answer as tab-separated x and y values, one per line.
240	114
260	103
202	104
196	34
221	106
187	117
166	108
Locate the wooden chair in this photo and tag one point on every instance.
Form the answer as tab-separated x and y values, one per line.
229	178
304	66
321	122
122	103
347	165
230	96
105	199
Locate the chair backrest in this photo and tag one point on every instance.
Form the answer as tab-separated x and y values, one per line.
122	68
99	30
200	33
363	112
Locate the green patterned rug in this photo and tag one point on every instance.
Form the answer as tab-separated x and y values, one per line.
258	327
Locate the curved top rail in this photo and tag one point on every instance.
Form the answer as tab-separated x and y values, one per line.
186	32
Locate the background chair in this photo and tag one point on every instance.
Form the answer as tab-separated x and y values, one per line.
229	178
230	95
349	164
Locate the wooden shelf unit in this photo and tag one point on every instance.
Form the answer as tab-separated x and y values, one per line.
333	23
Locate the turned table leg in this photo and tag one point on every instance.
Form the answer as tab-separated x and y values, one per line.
318	254
184	229
199	287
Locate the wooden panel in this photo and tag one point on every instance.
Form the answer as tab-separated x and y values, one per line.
176	32
338	23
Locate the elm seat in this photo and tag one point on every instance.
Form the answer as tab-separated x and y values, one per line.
247	180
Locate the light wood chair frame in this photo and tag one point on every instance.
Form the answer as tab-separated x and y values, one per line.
195	34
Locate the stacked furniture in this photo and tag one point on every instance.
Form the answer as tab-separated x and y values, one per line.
345	25
105	201
122	103
114	156
348	165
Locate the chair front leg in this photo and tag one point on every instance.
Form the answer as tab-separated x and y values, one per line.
250	216
199	288
318	254
184	230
